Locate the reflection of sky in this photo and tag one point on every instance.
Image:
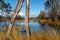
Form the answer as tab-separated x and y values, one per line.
35	6
34	26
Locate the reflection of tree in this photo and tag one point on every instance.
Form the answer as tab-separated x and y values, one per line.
42	26
41	23
47	27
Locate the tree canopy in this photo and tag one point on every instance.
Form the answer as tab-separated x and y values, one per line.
5	7
52	7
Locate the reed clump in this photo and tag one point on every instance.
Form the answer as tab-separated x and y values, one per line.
50	22
16	35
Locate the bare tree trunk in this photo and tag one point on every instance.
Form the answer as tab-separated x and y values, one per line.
27	20
13	19
15	9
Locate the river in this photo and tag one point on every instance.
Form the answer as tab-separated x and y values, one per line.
34	26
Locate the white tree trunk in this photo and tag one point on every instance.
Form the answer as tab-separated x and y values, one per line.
27	20
13	19
15	9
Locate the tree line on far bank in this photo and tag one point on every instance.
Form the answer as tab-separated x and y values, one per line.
52	12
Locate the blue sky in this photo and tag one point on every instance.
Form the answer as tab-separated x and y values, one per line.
35	7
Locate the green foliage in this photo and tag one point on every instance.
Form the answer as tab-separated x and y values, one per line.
52	7
5	7
42	15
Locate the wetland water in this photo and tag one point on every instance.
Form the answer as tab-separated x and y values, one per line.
34	26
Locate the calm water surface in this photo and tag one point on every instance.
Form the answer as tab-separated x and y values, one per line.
34	26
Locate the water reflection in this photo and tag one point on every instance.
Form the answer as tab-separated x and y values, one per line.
34	26
47	27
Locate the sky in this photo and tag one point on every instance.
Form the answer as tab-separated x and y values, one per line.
35	7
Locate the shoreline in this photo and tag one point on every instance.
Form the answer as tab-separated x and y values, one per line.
50	22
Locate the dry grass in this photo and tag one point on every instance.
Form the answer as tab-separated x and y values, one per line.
54	23
43	21
16	35
50	22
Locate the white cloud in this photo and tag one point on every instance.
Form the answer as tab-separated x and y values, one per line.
33	15
22	14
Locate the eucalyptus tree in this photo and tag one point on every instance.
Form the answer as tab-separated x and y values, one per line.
52	6
5	8
3	5
8	9
16	11
27	19
42	15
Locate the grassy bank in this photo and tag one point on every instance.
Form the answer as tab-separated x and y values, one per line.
50	22
16	35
